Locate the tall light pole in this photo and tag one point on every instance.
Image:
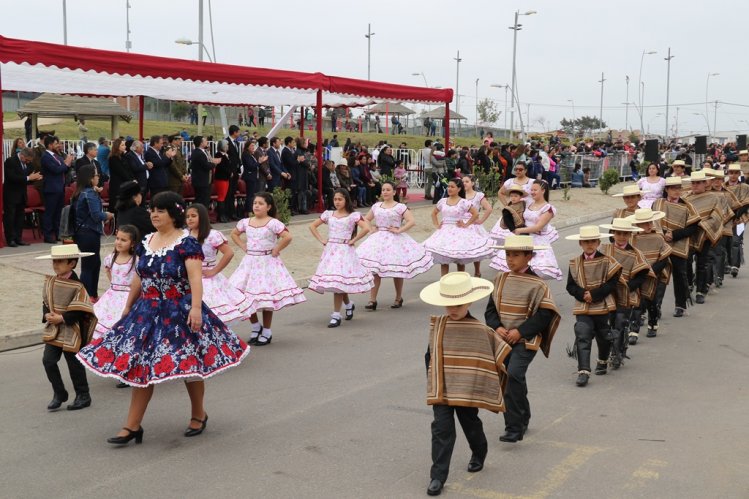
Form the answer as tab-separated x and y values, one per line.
626	107
600	115
476	126
640	86
201	48
707	121
457	86
369	36
513	82
426	84
128	43
506	87
572	101
707	109
64	22
668	88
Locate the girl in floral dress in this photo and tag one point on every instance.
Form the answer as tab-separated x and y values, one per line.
224	300
120	268
537	216
479	201
454	241
261	275
389	251
651	186
166	331
340	271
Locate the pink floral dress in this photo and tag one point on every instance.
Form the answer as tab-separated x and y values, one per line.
109	307
226	301
651	191
387	254
263	278
543	263
453	244
340	270
476	203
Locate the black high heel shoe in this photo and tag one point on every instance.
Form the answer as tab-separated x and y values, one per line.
397	303
137	435
192	432
350	312
371	306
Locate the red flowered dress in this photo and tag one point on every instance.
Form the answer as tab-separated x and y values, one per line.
153	342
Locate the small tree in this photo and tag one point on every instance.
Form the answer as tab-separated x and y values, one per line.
281	200
488	112
180	110
609	178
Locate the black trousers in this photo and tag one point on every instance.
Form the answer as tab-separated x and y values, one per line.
53	202
703	261
681	282
587	328
203	195
231	209
89	240
443	437
517	407
737	249
721	254
653	307
50	360
13	220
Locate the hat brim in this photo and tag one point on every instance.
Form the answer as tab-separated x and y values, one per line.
481	289
517	191
578	237
621	194
524	248
612	228
654	218
81	254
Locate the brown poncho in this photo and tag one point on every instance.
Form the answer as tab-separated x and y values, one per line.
633	262
678	216
65	295
590	275
741	191
466	366
707	205
655	248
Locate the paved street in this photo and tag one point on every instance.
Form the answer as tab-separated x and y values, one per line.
342	413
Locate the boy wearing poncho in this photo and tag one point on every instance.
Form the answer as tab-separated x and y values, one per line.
631	195
466	372
636	276
522	310
741	191
592	280
729	206
653	245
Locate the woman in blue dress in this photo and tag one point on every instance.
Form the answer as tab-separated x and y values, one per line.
166	331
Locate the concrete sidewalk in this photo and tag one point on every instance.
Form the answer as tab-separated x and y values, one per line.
21	276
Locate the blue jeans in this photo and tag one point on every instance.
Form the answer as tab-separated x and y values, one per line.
89	240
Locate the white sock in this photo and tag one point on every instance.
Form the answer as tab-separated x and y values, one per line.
335	315
349	305
267	332
256	327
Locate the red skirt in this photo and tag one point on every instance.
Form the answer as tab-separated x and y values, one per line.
222	188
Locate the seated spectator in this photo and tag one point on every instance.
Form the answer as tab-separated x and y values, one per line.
586	177
577	179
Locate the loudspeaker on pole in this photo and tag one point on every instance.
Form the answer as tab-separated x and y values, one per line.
700	144
651	150
741	142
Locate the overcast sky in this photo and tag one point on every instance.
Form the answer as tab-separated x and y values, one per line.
562	50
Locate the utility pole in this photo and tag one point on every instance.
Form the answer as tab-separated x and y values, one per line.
715	119
369	36
457	87
626	107
200	58
600	114
65	22
668	88
476	126
128	43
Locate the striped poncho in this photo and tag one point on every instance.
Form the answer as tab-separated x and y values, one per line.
466	364
633	262
707	205
679	215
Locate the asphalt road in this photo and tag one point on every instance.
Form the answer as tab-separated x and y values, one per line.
342	413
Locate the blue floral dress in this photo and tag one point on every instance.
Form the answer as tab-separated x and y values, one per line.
153	343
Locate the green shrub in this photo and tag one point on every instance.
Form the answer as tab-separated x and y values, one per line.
609	178
489	183
281	200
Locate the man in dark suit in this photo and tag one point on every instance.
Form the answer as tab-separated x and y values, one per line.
17	175
201	169
277	170
88	158
157	162
54	169
236	167
134	159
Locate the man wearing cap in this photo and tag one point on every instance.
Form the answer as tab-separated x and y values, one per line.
729	204
591	280
522	310
465	372
678	226
741	191
631	194
710	229
637	280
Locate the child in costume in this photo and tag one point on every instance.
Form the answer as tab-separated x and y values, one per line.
631	195
69	324
465	363
592	279
512	214
340	271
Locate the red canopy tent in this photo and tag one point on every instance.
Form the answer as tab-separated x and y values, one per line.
47	67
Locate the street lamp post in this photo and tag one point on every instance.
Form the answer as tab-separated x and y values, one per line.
572	101
513	82
707	109
506	87
668	88
64	22
457	87
369	36
600	115
201	48
626	107
641	86
476	126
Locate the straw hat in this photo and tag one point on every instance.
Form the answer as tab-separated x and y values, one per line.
710	172
676	181
520	243
64	252
588	233
629	190
678	162
734	167
743	151
698	176
517	188
644	215
621	225
456	288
